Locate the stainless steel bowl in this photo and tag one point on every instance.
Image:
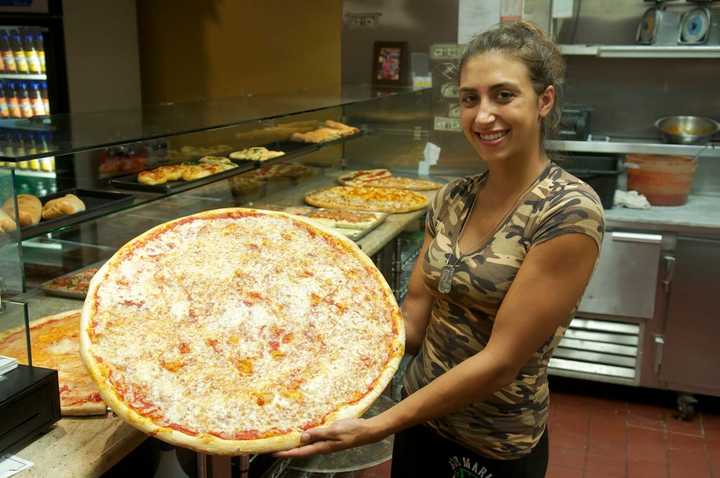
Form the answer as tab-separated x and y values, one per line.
687	129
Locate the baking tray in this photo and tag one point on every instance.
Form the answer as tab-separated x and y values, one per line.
130	181
357	234
354	234
291	150
97	203
66	293
296	147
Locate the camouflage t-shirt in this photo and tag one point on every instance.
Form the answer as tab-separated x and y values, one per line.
511	421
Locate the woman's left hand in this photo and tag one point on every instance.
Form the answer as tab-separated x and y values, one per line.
338	436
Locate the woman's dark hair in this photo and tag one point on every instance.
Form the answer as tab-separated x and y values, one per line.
526	42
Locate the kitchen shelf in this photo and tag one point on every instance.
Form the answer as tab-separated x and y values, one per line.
23	76
29	173
638	147
642	51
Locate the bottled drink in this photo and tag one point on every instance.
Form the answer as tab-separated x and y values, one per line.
24	98
4	110
46	99
7	149
17	49
38	105
20	150
40	49
12	100
7	53
43	141
31	54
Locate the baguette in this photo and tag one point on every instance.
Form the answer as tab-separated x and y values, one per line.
6	222
29	209
64	206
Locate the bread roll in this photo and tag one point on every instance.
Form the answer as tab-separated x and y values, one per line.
29	209
64	206
6	222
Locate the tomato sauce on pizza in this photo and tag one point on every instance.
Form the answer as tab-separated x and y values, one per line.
232	331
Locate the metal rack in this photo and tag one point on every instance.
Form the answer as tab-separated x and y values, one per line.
641	51
638	147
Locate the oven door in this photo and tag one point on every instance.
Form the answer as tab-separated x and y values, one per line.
625	279
604	341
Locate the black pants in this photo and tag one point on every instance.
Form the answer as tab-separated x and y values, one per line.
419	452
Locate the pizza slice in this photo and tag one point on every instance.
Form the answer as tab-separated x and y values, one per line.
256	153
366	198
347	219
399	182
282	170
357	178
55	342
382	178
344	129
320	135
161	174
218	160
74	284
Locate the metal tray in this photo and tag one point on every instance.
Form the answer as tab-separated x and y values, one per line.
97	203
290	148
130	181
66	293
296	147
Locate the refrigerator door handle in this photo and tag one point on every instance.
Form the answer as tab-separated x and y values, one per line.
657	363
670	262
636	237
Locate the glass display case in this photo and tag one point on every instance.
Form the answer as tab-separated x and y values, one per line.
97	158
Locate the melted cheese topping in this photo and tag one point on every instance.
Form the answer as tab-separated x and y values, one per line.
368	198
399	182
56	345
252	324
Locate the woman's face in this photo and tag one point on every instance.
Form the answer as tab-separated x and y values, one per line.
500	111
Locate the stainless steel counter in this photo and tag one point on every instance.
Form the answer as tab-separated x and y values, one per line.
699	216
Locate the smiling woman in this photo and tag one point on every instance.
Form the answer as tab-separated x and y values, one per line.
506	257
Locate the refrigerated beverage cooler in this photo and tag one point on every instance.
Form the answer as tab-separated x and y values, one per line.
33	85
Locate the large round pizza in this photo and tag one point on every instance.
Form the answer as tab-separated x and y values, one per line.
232	331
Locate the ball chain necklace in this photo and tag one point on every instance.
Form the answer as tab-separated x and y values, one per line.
453	261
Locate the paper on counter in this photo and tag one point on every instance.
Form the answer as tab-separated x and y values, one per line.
631	199
7	364
11	465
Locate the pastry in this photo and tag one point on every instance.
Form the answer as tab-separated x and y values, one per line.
29	209
69	204
7	224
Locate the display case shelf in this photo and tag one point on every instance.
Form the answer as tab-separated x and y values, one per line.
642	51
35	174
23	76
80	132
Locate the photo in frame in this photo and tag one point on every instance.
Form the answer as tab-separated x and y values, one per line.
390	64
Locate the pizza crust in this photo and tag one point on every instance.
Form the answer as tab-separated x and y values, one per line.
85	409
207	443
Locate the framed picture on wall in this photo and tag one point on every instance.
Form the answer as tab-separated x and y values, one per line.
390	64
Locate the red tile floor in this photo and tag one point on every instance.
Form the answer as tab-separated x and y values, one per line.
609	431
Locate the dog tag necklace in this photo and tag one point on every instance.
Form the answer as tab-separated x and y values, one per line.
453	260
446	276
